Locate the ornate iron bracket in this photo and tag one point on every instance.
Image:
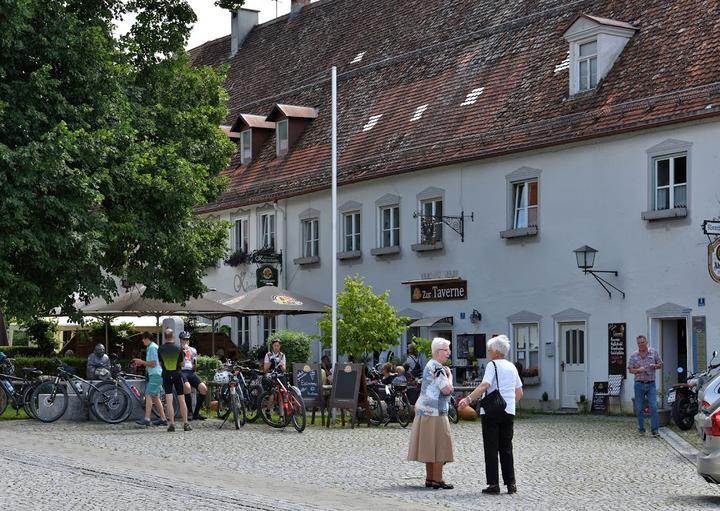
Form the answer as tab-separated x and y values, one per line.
429	222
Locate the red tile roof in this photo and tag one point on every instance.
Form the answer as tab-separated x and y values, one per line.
435	53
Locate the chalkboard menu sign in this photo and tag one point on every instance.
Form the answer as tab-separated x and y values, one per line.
600	398
307	379
346	385
617	348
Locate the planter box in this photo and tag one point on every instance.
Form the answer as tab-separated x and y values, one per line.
529	381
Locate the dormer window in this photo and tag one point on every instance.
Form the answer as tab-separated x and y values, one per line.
245	146
587	65
595	45
282	137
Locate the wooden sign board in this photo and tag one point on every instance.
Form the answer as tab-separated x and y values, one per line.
617	348
346	385
455	289
600	398
307	379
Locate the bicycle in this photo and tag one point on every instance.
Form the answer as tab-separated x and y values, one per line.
50	398
283	403
397	404
249	394
17	391
233	401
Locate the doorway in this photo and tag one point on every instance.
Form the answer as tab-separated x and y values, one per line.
673	351
573	354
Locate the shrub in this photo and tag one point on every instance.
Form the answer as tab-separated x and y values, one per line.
205	367
545	396
48	365
43	333
295	345
20	351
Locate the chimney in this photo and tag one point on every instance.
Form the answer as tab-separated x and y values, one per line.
296	5
242	22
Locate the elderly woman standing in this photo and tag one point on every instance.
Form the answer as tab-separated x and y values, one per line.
430	441
497	432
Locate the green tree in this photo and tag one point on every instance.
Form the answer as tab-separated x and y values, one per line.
43	333
106	146
295	345
366	322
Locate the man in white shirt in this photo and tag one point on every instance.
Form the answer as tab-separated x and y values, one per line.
191	379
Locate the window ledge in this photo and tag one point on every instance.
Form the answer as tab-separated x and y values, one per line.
427	247
302	261
351	254
664	214
529	381
383	251
519	233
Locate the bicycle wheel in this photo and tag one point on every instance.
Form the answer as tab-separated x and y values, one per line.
111	403
403	412
221	397
49	401
252	400
27	398
375	410
453	413
3	401
298	417
238	409
271	409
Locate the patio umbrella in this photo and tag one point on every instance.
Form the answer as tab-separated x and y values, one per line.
219	297
273	301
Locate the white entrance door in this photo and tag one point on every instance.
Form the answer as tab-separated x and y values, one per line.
572	363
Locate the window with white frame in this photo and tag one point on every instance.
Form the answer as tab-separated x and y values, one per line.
269	327
242	327
282	137
527	348
351	231
670	181
267	230
241	235
310	237
587	65
430	221
245	146
525	204
390	226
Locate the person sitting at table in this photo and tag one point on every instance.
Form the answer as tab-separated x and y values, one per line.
386	374
400	378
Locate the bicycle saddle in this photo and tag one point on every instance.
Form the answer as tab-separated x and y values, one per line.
31	371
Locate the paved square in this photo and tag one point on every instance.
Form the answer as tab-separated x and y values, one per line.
561	462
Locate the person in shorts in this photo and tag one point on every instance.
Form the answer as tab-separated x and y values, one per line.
171	358
192	380
153	388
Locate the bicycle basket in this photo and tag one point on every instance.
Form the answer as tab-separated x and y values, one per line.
222	377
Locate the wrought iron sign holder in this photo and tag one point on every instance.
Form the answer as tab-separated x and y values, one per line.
456	223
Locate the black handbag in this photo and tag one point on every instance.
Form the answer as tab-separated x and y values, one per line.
493	403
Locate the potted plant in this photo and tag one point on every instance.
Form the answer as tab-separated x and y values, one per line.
530	376
583	404
545	403
237	258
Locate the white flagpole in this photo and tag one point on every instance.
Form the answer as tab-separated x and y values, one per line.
333	255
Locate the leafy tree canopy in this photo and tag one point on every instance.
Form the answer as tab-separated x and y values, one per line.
106	145
366	322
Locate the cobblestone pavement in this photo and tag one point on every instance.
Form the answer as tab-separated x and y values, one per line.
561	462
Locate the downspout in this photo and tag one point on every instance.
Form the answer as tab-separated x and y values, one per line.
284	248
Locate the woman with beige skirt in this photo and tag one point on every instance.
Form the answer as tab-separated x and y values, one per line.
430	440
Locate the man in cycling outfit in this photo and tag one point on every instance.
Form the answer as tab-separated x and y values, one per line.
171	358
274	358
192	381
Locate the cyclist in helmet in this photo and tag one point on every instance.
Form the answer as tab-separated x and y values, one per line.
171	358
98	364
192	381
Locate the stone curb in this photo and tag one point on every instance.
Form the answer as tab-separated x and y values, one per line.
679	444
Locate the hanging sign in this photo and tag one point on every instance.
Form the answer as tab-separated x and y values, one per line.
617	348
439	291
714	260
711	227
266	275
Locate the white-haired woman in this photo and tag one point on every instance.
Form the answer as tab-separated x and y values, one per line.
497	432
430	441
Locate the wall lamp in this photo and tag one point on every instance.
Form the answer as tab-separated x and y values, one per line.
585	257
475	316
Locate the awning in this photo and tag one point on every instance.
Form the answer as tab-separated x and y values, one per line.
448	320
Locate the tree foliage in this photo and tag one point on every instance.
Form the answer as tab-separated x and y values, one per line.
295	345
106	146
366	322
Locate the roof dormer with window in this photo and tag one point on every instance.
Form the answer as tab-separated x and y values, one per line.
252	131
290	122
595	45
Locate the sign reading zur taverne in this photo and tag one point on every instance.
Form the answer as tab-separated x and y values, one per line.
438	291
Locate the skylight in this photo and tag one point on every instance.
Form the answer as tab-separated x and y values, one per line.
358	57
419	111
472	96
565	64
372	122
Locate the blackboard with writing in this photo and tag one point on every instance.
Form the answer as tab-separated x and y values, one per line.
346	385
617	348
600	398
307	379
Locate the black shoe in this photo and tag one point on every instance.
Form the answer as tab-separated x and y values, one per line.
441	485
198	417
493	489
429	483
511	489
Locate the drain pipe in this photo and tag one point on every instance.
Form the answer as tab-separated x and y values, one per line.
284	247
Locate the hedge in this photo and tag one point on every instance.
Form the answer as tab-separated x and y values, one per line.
48	365
20	351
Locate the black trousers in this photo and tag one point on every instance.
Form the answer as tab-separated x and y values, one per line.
497	440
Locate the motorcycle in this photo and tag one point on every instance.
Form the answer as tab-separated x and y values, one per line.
683	397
